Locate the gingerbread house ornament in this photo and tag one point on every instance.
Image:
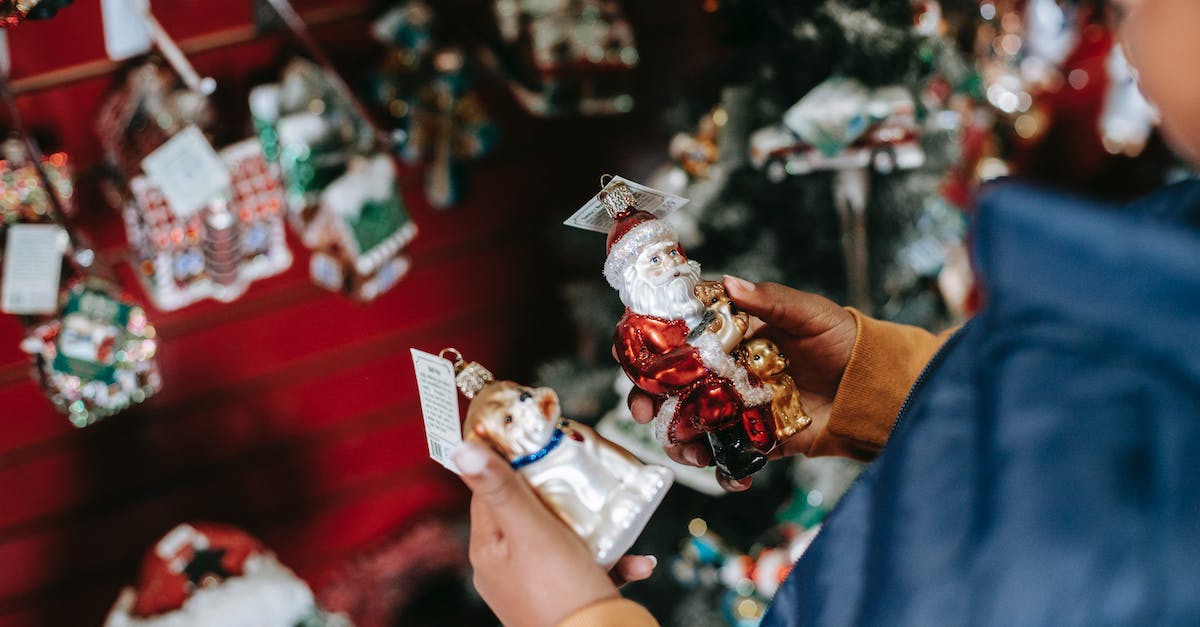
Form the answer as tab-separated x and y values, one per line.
360	230
215	252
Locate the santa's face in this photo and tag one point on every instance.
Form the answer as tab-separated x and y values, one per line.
662	282
659	263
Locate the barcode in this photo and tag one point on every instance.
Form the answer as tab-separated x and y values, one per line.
435	449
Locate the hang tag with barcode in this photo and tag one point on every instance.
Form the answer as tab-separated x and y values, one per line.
439	406
32	268
592	216
188	171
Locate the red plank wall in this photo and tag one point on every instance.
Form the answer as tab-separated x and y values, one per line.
291	412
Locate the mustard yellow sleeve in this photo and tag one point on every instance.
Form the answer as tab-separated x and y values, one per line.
616	612
886	360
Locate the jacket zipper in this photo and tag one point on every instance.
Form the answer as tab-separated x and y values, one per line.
920	382
904	408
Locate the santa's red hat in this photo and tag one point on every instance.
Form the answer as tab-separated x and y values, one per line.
631	232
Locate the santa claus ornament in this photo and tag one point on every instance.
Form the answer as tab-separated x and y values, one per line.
210	575
677	338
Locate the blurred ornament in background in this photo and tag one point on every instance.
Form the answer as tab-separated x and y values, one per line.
13	11
841	125
146	109
343	196
1128	119
23	197
575	56
406	32
306	124
97	356
213	575
448	127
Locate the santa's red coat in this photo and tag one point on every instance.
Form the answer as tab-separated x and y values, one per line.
656	356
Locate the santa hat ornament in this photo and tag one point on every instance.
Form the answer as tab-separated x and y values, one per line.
210	575
631	232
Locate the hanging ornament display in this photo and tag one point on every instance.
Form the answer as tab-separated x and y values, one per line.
604	494
343	197
97	356
844	127
575	56
448	127
206	574
426	91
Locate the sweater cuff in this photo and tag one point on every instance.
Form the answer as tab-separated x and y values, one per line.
616	612
884	364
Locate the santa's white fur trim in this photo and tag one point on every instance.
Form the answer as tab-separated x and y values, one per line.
625	251
266	595
716	359
661	425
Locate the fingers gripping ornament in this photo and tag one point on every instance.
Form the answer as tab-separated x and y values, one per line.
670	346
601	491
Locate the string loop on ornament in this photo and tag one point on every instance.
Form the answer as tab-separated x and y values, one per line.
605	179
457	356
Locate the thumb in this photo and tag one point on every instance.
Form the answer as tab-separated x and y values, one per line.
493	481
791	310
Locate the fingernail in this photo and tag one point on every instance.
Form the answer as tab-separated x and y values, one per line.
739	284
470	458
693	456
653	560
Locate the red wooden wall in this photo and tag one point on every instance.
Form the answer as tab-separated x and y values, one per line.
292	411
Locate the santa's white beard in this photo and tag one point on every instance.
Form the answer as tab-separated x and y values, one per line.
674	300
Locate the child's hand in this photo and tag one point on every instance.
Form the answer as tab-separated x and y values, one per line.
530	568
814	332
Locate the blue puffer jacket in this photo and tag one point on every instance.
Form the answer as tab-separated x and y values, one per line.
1046	467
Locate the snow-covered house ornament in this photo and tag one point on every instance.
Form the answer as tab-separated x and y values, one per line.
359	231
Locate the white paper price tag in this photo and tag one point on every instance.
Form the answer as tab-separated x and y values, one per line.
188	171
125	31
32	268
593	217
439	406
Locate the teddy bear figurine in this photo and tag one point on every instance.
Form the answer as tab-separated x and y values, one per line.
763	358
